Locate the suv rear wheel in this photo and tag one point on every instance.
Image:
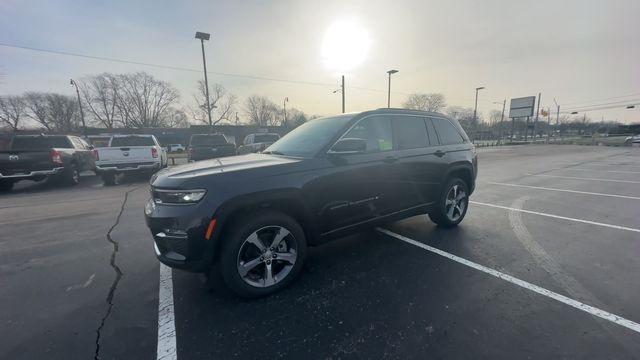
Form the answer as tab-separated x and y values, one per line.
452	205
262	255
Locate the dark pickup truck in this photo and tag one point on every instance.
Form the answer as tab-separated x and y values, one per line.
209	146
36	157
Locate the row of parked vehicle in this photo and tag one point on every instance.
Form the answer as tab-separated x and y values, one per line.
61	158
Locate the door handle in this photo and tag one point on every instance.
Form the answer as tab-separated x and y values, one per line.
390	159
439	153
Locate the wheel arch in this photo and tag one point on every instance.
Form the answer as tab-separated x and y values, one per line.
463	172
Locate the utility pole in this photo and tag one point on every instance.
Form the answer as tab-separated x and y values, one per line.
84	126
237	118
548	124
342	87
535	121
204	36
557	113
504	104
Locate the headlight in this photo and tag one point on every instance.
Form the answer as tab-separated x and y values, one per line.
178	197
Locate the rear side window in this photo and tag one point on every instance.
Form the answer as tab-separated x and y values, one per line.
40	142
411	132
208	140
120	141
433	138
376	130
447	133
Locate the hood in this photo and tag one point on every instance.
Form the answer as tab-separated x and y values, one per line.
249	164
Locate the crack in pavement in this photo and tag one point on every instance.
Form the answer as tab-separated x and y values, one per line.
117	270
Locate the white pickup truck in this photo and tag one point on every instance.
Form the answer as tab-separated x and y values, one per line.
129	154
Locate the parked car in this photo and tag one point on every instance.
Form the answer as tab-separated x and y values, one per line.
36	157
209	146
630	140
175	148
257	142
129	154
254	215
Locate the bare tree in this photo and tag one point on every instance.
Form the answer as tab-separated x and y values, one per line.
38	109
62	112
12	111
464	116
425	102
261	111
143	100
100	93
175	118
222	104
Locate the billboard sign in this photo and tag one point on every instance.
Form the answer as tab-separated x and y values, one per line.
522	107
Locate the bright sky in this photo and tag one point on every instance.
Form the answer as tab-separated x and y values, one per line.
580	52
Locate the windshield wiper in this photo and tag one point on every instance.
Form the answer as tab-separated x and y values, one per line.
274	152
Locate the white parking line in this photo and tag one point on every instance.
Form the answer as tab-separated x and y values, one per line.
581	178
557	217
609	171
564	190
166	322
537	289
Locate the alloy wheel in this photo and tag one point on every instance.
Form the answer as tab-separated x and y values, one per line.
455	203
267	256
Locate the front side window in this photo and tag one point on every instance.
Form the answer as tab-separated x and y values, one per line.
411	132
447	133
376	131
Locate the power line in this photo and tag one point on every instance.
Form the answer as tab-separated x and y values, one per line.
602	104
620	106
609	98
169	67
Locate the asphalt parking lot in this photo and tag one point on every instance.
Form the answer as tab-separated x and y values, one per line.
544	266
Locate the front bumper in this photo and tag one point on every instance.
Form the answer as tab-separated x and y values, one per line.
32	174
179	235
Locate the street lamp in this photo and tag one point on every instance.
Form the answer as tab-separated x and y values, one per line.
284	109
390	72
84	126
504	103
204	36
475	109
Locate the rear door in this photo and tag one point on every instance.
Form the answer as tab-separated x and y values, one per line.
419	165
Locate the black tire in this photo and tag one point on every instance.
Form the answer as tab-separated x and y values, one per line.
237	246
6	185
109	179
443	215
71	175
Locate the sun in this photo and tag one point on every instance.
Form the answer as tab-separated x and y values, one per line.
345	45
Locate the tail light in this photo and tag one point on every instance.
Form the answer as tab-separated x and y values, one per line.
192	151
55	157
96	155
154	152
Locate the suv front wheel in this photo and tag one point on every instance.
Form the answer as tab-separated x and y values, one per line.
262	255
452	205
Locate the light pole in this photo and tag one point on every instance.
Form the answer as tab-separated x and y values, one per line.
390	72
341	90
204	36
84	126
475	108
284	109
504	104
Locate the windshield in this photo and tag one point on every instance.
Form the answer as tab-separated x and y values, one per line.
121	141
40	142
307	139
217	139
265	138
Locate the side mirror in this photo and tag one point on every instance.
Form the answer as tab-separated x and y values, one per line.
349	146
